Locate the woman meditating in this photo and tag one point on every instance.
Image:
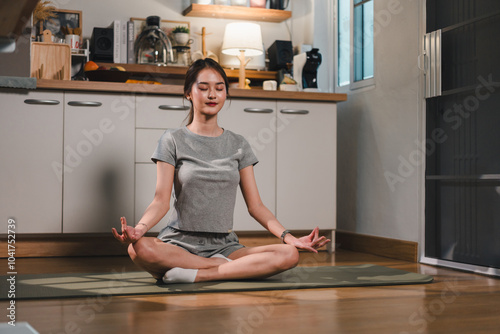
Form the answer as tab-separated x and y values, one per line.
204	164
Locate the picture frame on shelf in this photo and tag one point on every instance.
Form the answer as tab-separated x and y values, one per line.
166	25
65	22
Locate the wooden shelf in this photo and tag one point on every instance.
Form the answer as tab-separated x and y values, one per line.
237	13
180	71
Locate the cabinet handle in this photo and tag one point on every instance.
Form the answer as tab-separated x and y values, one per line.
295	111
259	110
84	104
172	107
42	102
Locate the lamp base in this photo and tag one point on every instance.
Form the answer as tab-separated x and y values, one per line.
243	64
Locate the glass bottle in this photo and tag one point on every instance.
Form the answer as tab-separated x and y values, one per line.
153	46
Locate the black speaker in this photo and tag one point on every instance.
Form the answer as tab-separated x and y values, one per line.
280	53
101	45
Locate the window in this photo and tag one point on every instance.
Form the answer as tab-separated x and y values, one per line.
354	43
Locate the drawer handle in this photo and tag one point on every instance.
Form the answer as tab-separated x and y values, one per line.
84	104
259	110
42	102
295	111
172	107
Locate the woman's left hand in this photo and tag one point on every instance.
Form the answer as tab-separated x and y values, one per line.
309	242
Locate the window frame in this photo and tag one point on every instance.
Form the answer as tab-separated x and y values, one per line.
353	85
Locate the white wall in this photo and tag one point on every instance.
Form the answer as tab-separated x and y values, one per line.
377	129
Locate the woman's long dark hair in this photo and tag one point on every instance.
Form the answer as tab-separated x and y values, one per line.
192	76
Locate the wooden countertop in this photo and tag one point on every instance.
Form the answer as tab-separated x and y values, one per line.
97	86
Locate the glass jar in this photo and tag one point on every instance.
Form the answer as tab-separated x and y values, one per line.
183	55
153	46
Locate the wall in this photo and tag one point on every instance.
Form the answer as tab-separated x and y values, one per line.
377	132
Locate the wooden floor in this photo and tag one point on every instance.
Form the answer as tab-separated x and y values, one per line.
456	302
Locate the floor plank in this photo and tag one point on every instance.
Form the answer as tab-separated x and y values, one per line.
456	302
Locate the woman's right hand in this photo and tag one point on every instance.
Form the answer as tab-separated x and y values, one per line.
129	234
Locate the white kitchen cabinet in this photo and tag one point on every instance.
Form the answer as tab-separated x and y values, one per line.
306	165
98	161
31	139
161	112
254	120
154	114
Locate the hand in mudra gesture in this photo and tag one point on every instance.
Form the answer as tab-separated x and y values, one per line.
129	234
309	242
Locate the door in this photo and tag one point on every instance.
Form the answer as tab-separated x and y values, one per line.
463	132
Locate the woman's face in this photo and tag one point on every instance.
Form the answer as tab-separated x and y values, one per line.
208	93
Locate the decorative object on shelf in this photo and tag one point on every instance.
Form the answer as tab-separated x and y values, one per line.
258	3
181	35
222	2
202	2
153	46
242	39
60	22
204	53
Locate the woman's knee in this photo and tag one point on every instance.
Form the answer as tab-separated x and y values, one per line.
143	251
289	257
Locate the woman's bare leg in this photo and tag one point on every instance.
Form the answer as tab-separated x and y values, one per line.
157	257
252	262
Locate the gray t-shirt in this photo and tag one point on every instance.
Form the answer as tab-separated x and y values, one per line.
206	177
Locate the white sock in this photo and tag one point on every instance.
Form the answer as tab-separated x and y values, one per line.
222	257
180	275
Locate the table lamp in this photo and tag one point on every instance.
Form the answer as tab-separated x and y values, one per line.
242	39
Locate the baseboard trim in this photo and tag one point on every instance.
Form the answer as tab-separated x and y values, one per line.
72	245
391	248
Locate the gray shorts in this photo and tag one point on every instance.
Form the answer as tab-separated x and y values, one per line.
203	244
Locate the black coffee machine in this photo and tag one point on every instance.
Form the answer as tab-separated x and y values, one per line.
310	70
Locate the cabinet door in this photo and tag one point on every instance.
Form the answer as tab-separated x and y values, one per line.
306	178
98	161
161	112
31	139
154	114
256	121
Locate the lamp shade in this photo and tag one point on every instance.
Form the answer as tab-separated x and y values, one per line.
242	36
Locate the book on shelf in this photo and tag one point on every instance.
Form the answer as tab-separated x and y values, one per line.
123	42
130	43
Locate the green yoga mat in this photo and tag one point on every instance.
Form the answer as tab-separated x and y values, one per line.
141	283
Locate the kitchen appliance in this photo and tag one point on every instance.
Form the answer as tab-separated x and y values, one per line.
310	70
153	46
280	54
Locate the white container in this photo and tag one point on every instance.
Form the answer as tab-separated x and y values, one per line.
202	2
239	3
